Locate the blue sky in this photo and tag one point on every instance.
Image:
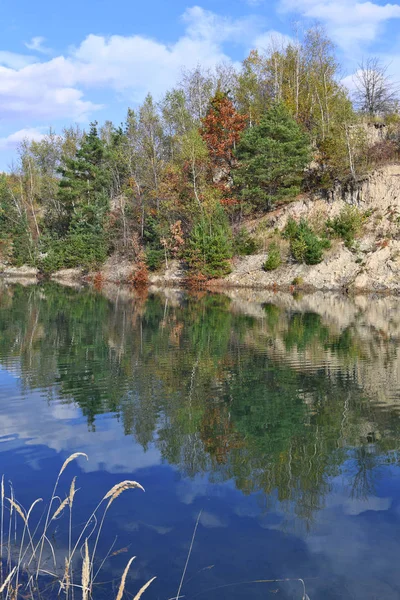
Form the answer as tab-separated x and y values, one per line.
62	63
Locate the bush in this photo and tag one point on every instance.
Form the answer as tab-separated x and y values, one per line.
87	250
305	245
154	258
209	245
244	244
274	259
346	225
298	281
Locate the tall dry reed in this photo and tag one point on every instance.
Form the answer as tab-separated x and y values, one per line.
25	571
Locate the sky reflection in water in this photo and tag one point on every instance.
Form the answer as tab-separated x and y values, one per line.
278	417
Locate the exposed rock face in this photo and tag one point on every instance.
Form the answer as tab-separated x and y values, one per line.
374	266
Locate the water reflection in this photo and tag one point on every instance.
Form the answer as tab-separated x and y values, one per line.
290	402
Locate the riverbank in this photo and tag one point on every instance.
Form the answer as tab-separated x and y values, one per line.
371	264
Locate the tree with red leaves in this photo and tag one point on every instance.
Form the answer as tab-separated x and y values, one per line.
221	130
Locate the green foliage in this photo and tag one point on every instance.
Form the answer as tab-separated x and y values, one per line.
85	183
154	258
305	245
244	244
274	259
209	246
272	158
86	250
347	225
155	253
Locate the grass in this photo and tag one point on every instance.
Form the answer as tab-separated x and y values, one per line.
24	569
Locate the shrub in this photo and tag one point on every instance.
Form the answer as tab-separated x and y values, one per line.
305	245
139	278
154	258
98	280
209	245
346	225
297	281
87	250
274	259
383	152
244	244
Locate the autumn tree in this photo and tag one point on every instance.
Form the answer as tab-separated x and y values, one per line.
221	131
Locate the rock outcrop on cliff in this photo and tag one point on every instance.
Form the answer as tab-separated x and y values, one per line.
373	264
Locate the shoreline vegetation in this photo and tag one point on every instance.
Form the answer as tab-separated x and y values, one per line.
29	566
269	176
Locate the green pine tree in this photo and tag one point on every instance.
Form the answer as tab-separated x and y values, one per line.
85	184
272	157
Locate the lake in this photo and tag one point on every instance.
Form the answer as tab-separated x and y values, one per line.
272	420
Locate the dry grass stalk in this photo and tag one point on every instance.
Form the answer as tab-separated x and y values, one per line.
123	579
188	556
8	579
143	589
121	487
35	550
1	525
64	466
70	459
85	572
66	577
59	510
72	492
18	509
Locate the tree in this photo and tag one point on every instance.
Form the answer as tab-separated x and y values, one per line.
85	178
198	86
376	93
176	120
221	130
151	141
209	245
272	157
251	88
195	158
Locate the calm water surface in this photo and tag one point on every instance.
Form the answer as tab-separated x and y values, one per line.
277	417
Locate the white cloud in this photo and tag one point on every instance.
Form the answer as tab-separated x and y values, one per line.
14	139
271	38
61	428
211	521
42	90
206	25
349	22
15	61
37	45
132	65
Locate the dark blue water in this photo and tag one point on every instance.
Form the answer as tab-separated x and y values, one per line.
276	419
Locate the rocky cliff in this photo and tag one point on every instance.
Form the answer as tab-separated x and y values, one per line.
374	262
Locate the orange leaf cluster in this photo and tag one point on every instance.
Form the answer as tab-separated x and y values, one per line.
221	130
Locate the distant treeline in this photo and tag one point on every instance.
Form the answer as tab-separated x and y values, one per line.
173	179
